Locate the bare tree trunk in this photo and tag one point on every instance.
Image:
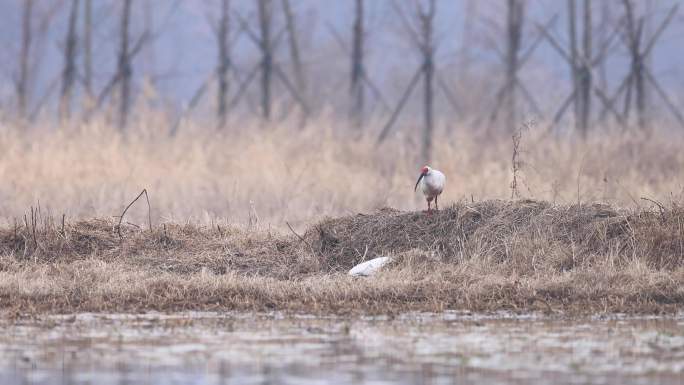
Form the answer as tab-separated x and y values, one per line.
648	30
124	66
605	17
290	24
640	91
427	19
637	70
356	80
585	74
69	72
515	22
87	51
224	63
574	71
265	8
26	40
150	62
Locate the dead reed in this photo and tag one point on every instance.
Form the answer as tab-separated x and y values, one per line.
265	176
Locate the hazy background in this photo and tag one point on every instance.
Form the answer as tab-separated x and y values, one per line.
86	145
183	51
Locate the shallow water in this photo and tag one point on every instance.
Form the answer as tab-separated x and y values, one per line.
449	348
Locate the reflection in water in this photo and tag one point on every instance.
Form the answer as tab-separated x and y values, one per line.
450	348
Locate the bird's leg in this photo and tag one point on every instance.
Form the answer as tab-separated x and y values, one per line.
436	207
428	201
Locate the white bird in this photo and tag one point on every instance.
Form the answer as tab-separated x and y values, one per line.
368	268
431	183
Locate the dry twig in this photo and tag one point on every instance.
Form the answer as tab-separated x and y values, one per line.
149	212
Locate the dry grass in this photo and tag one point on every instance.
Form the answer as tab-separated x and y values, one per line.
568	255
491	255
269	175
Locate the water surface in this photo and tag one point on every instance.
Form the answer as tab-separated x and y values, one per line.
238	348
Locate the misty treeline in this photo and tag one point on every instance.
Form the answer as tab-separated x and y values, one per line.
271	76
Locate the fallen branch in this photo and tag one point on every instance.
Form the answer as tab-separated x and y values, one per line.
149	212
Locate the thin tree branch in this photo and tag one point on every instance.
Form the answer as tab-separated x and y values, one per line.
149	212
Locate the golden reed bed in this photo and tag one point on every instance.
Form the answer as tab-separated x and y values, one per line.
269	175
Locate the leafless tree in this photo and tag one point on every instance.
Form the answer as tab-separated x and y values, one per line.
26	40
580	65
269	68
31	54
634	33
359	80
293	38
295	55
265	19
223	62
426	21
124	65
572	38
515	12
149	57
423	39
513	59
583	62
640	47
356	79
585	76
88	50
69	71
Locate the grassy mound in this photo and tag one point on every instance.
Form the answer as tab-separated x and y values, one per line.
528	234
492	255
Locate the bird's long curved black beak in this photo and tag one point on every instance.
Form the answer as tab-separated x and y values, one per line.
419	178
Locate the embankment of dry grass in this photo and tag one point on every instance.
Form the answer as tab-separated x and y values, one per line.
491	255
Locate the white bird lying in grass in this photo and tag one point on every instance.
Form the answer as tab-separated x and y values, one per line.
431	183
368	268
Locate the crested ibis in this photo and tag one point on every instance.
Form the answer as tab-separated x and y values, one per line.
369	268
431	183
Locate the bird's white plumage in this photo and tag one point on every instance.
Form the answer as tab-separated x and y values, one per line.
432	183
369	267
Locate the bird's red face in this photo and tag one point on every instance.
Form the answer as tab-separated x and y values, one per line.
423	172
